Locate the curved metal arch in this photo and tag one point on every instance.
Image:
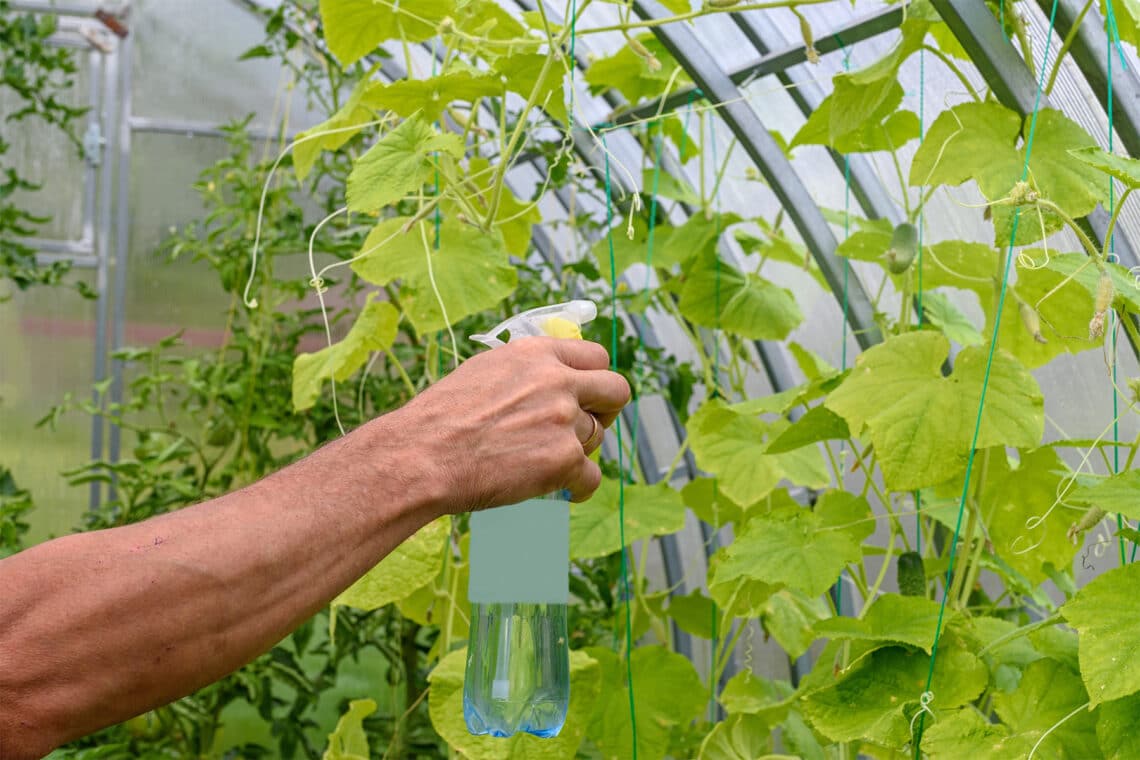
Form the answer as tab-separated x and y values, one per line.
683	45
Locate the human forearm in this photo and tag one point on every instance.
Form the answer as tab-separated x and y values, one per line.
112	623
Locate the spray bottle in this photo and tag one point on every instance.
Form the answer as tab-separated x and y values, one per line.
518	657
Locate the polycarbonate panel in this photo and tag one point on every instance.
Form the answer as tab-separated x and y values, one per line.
45	156
47	339
186	66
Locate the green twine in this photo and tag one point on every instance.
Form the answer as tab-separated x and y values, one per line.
921	229
1108	29
846	307
985	387
617	427
714	641
621	454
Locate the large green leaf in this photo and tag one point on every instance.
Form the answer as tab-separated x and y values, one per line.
631	74
891	618
1116	728
694	613
430	97
729	442
667	694
411	565
355	28
979	141
817	425
876	698
886	128
521	71
348	741
472	270
1109	631
334	132
968	734
1015	497
788	548
741	737
921	423
1047	693
944	315
742	303
397	164
445	704
374	330
654	510
789	616
1125	169
749	693
1114	493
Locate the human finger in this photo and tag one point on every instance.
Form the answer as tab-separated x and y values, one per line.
590	432
602	392
586	480
581	354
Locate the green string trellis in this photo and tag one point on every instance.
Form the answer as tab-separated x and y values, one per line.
927	695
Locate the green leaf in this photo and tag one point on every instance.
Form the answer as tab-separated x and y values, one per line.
1114	493
1048	692
334	132
1116	728
514	218
668	186
891	618
741	737
866	96
729	443
876	697
355	28
632	75
667	694
472	270
704	497
968	734
445	704
744	304
374	330
655	510
1127	170
775	247
788	548
1026	494
819	424
979	141
921	423
749	693
887	128
952	322
411	565
397	164
348	741
521	73
1102	613
789	617
430	97
693	613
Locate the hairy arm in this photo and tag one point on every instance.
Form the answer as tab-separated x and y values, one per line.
98	627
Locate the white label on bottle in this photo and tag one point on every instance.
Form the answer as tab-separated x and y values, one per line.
521	553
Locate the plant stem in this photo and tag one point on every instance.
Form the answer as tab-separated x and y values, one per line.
954	69
870	598
1110	231
1024	630
1091	249
1069	38
706	11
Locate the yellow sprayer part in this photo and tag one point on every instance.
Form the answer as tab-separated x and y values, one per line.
557	327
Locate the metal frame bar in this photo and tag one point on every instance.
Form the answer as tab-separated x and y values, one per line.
680	41
770	62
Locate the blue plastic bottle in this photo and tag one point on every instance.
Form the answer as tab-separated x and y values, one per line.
518	656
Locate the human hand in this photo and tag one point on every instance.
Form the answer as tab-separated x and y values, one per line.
516	422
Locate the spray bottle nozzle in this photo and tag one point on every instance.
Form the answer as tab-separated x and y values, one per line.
562	320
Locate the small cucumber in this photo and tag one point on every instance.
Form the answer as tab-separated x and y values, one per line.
904	248
911	574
